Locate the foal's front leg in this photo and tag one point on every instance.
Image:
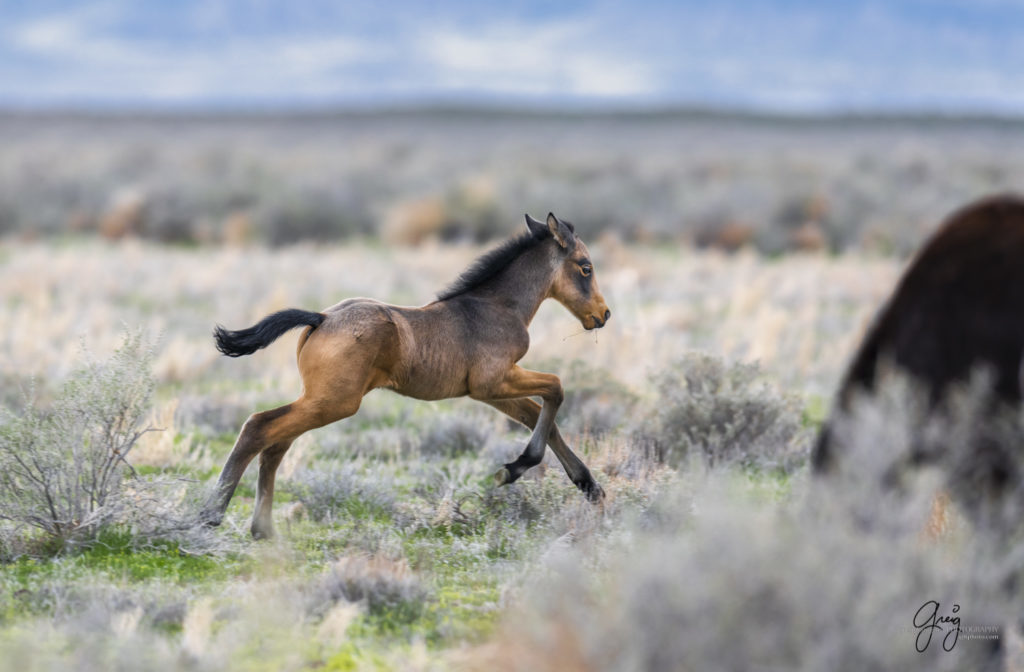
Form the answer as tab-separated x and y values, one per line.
517	383
527	412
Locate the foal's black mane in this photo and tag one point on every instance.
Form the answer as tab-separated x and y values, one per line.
490	264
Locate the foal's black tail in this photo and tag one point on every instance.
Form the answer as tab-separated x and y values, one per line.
264	332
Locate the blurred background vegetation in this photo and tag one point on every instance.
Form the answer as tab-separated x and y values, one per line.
772	183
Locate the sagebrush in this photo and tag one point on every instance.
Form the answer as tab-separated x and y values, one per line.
63	466
724	413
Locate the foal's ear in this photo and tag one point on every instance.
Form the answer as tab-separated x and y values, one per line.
536	228
562	231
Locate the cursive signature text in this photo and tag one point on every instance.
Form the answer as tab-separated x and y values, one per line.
927	621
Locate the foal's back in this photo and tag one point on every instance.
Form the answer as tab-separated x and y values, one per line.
426	352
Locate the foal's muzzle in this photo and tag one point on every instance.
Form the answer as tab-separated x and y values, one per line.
599	322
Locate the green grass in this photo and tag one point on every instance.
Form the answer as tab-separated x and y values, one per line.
815	413
116	556
27	582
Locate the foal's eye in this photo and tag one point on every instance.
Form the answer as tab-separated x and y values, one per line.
586	269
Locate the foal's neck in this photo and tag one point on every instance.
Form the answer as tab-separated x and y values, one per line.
524	284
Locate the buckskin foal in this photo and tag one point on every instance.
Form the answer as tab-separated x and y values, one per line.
467	342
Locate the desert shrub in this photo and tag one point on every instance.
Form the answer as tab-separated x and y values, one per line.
384	585
14	390
733	584
970	445
65	477
258	625
454	435
70	596
831	578
448	495
382	536
11	542
460	516
542	496
62	468
980	455
723	413
512	504
331	490
375	443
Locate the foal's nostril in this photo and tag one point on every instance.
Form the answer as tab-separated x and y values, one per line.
607	314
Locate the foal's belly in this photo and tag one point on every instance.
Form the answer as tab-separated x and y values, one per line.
423	380
432	359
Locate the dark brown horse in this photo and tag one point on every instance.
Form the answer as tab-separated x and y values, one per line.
960	304
466	343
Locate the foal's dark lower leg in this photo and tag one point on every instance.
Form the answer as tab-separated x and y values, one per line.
527	412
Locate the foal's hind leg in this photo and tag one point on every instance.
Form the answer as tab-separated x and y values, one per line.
270	460
269	434
527	411
251	441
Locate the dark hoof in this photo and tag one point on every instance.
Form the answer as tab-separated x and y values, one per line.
592	491
210	519
502	476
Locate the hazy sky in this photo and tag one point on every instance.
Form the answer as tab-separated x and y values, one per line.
791	55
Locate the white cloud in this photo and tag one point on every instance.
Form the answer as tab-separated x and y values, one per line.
558	58
94	61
